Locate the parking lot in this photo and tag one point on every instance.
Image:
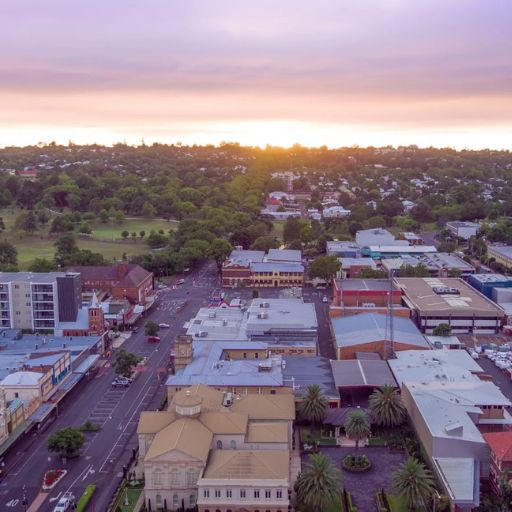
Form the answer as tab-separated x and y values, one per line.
500	377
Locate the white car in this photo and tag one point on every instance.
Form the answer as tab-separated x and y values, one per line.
164	326
324	299
64	503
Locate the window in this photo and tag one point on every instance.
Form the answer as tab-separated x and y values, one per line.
217	493
158	500
272	391
175	500
245	355
256	493
206	493
157	477
192	500
175	476
219	445
191	476
229	493
242	493
232	444
268	494
279	494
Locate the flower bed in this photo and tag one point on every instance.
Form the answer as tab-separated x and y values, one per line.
52	478
356	464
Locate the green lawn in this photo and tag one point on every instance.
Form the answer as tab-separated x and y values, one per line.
308	435
40	244
397	504
112	230
133	495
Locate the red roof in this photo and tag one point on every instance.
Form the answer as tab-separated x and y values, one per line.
27	172
501	444
273	201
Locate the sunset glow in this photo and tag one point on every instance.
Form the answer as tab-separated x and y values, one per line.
330	74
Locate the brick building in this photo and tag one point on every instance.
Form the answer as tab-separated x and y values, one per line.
500	445
122	281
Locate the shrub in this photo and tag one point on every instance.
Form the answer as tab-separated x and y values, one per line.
85	498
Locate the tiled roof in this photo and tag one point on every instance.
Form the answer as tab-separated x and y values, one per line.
501	444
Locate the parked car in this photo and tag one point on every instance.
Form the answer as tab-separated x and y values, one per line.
324	298
135	329
180	281
153	339
64	503
121	382
164	326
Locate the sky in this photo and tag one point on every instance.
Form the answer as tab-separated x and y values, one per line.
323	72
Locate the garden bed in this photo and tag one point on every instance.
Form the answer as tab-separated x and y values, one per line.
52	477
358	464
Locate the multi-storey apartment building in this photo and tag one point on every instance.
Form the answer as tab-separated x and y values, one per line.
38	301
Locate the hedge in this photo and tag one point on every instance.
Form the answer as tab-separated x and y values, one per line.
85	498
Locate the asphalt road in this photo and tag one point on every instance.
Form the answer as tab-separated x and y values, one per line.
116	410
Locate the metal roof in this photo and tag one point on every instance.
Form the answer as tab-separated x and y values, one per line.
301	372
361	373
370	327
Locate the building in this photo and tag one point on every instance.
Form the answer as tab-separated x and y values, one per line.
335	212
375	236
288	326
486	283
464	230
396	250
365	292
38	301
412	238
245	373
288	214
343	249
121	281
451	301
501	253
301	372
356	379
352	267
32	388
439	264
500	446
370	332
279	268
284	256
451	409
217	451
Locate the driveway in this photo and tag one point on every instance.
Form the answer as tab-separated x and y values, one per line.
364	486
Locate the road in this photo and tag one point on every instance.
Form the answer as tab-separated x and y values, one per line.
115	410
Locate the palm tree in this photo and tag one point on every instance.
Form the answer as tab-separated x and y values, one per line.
357	427
313	405
386	407
414	482
318	486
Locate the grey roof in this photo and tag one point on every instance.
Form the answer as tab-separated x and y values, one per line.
283	255
431	365
246	257
304	371
375	236
81	322
209	368
363	262
361	373
461	478
35	277
363	284
370	327
269	266
462	224
337	416
28	343
504	250
491	278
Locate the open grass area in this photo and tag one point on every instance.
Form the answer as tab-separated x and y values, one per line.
106	238
112	230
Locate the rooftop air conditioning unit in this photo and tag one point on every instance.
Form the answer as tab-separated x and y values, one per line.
201	334
262	315
212	314
266	304
227	400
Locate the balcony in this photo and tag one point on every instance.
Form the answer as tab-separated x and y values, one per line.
42	297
